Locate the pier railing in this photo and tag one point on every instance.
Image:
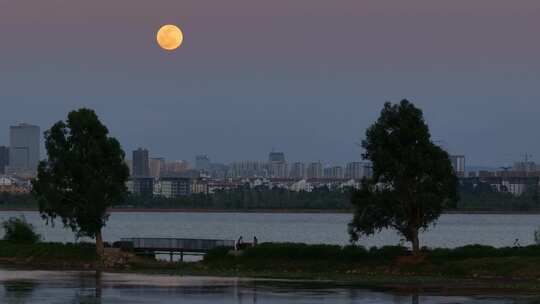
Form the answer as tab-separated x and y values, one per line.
176	245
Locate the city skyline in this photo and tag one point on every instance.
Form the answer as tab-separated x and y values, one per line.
326	162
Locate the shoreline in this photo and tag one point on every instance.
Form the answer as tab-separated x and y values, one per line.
276	211
437	285
469	269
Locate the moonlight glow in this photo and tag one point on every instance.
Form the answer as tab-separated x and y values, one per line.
169	37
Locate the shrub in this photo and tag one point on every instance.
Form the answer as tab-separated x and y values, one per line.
17	230
216	254
299	251
49	251
293	251
388	252
482	251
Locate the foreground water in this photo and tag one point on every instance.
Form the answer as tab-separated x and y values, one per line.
451	230
48	287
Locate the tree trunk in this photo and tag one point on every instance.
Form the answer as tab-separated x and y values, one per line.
99	244
415	242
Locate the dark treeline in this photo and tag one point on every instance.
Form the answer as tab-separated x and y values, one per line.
9	200
251	198
481	197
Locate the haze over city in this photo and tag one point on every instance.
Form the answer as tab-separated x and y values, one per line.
303	77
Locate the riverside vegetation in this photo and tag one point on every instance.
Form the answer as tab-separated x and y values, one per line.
465	268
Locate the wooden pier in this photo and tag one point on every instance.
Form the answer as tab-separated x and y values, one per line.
173	246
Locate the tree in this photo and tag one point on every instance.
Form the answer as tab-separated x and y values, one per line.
84	175
412	180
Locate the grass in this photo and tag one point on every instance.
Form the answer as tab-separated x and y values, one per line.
49	252
467	267
464	262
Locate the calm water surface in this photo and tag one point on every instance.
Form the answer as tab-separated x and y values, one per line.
48	287
451	230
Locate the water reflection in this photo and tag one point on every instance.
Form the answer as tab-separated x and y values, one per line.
17	292
91	289
50	287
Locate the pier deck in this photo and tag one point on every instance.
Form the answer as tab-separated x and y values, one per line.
174	246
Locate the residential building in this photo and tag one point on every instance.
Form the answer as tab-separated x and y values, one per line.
199	186
6	180
244	169
277	165
298	170
142	186
278	170
202	163
301	186
357	170
172	187
24	148
315	170
4	159
218	171
458	163
525	166
156	166
10	184
141	166
276	157
129	164
334	172
175	167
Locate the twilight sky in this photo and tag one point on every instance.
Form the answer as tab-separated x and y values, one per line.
302	76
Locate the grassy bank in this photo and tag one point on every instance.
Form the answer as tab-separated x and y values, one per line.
469	268
463	262
48	254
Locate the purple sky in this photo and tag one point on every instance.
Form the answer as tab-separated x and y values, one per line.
302	76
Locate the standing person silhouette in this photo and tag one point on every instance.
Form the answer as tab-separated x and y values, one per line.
239	243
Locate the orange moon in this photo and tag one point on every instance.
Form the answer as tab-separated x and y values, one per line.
170	37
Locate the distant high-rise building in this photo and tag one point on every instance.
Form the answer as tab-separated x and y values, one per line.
277	166
245	169
315	170
143	186
276	157
156	166
24	148
141	166
458	163
357	170
525	166
172	187
218	171
202	163
129	163
333	172
4	159
298	170
176	167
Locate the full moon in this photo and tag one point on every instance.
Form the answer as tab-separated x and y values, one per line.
169	37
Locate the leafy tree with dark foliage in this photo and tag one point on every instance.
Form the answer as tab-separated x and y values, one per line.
84	175
412	182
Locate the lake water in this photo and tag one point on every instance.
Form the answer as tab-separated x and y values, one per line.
51	287
451	230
